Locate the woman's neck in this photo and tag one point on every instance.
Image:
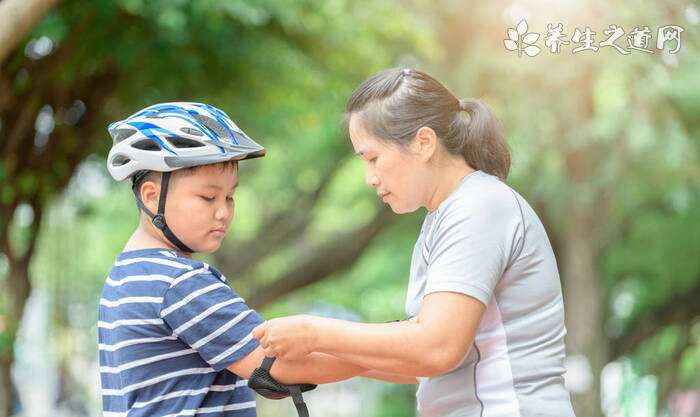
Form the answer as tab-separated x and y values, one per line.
447	179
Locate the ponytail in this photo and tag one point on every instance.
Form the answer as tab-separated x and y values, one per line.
483	145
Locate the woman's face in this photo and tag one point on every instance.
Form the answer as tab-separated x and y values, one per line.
398	174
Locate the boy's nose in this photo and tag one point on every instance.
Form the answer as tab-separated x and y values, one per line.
224	212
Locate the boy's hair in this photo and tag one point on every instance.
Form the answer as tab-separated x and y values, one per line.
155	176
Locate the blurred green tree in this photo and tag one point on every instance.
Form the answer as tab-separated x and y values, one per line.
605	148
267	63
603	143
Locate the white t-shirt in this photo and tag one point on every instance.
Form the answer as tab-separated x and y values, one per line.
485	241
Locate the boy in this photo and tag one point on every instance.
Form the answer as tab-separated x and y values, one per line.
174	339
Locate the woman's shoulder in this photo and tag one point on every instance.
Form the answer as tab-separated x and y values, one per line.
481	194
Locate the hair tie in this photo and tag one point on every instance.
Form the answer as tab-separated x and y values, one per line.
406	72
462	105
467	104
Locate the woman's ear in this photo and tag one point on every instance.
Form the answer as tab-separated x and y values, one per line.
150	192
425	143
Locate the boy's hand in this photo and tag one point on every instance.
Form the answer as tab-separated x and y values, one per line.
288	338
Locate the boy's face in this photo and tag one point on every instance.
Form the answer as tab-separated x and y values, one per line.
199	206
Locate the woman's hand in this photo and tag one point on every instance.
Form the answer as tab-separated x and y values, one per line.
288	338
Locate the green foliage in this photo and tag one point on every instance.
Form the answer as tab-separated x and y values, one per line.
284	70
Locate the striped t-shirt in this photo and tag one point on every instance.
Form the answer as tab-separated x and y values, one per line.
168	328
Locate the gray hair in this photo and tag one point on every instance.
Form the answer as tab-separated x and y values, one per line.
395	103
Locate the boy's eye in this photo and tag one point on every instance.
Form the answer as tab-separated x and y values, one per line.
229	198
205	198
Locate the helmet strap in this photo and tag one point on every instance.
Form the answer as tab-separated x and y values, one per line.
158	219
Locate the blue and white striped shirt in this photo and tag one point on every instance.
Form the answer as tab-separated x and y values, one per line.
168	328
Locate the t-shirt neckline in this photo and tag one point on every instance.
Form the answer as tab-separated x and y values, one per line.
135	253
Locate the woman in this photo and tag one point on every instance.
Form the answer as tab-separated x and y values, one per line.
485	334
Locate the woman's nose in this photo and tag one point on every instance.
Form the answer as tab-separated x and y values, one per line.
372	180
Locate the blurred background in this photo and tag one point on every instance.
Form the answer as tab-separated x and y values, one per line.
605	142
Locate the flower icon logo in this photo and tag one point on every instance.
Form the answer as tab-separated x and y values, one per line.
521	41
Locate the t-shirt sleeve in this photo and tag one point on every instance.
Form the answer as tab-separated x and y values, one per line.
470	248
208	316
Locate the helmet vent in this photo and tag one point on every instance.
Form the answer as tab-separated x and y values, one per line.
212	125
179	142
120	160
190	131
146	145
121	134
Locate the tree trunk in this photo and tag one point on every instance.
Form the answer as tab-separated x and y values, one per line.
326	260
584	303
17	18
19	287
668	372
6	360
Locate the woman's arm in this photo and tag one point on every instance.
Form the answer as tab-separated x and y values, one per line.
434	343
316	368
383	376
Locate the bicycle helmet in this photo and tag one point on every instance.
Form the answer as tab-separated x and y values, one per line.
169	136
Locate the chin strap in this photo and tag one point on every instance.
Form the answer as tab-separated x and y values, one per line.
158	220
264	384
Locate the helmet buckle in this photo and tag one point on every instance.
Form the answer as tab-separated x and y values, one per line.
158	221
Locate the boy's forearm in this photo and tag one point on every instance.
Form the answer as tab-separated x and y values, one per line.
315	368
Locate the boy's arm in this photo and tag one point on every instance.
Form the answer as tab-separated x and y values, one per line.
209	317
314	368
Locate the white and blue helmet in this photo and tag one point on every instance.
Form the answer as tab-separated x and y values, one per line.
169	136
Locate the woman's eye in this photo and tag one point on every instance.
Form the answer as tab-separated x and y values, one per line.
207	198
373	159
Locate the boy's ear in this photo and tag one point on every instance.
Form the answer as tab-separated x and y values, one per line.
149	192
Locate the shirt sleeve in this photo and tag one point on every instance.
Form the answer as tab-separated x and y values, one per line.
208	316
471	247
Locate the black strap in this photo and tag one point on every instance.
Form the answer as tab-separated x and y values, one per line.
267	363
164	182
158	220
295	391
264	384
